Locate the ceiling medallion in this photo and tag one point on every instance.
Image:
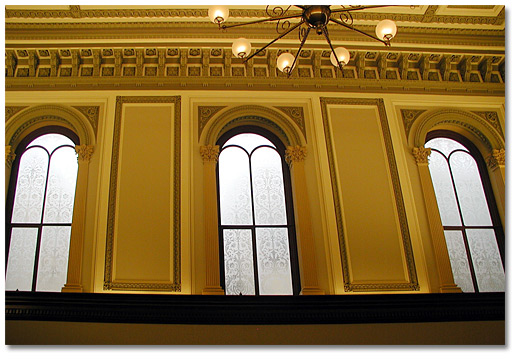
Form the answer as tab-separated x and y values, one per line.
312	17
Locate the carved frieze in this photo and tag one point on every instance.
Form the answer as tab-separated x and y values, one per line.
409	116
91	113
491	118
296	114
205	114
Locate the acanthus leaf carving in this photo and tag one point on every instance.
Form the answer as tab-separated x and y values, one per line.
210	153
421	154
295	153
84	152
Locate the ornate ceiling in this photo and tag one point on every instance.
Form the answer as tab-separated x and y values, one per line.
437	47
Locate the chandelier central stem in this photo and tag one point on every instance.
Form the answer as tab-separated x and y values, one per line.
317	17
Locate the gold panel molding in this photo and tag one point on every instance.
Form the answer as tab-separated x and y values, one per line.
398	196
176	284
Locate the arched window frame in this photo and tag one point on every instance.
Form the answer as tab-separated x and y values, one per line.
488	191
11	193
280	149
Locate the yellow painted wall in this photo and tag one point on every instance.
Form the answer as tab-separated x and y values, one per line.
144	220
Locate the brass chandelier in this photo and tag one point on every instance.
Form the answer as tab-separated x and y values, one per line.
314	17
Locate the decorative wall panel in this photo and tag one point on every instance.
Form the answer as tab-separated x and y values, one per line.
143	234
374	240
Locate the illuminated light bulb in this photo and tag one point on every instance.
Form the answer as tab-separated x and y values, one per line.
342	54
285	62
218	14
386	30
241	47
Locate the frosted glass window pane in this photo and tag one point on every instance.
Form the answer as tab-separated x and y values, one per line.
248	141
20	265
444	191
52	141
459	260
268	187
61	186
235	187
30	186
469	190
486	260
444	145
54	258
238	262
274	265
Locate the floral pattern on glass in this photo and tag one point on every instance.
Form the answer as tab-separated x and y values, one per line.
20	267
486	260
238	262
61	186
274	263
30	186
235	187
268	187
459	260
54	258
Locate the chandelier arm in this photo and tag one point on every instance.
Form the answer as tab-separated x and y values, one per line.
326	33
387	43
299	50
360	8
278	38
261	21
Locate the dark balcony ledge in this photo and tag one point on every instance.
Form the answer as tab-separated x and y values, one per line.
206	309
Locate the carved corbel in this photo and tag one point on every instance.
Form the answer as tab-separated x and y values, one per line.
205	62
76	60
161	62
10	63
271	62
33	63
55	62
183	62
316	63
118	62
96	61
139	62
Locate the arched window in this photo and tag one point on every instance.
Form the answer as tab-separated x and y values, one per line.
472	228
256	221
39	210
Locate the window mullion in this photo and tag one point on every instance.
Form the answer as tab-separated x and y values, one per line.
253	235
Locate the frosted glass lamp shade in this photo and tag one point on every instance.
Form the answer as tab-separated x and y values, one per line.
386	30
241	47
218	14
285	62
342	54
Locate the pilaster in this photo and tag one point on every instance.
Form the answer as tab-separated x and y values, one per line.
77	236
209	154
295	157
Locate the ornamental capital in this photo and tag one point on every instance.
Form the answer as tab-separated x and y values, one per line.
84	152
210	153
497	158
421	154
295	154
9	155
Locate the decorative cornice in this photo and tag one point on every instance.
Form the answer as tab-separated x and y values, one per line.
409	116
421	155
209	153
168	68
296	114
497	158
295	154
9	156
205	114
12	110
84	152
